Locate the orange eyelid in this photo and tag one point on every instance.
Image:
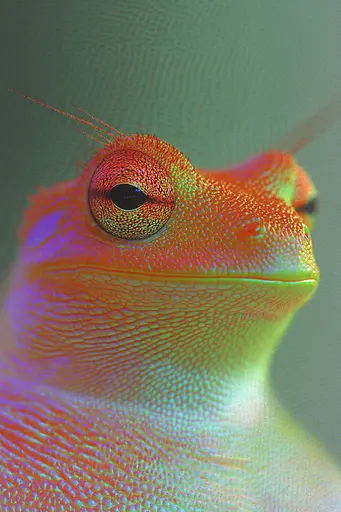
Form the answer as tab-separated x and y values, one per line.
162	153
136	168
305	189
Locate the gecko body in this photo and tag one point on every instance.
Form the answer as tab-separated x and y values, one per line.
142	313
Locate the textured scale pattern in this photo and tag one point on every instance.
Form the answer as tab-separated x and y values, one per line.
136	343
89	464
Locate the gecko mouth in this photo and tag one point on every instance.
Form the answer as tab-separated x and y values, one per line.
310	279
219	279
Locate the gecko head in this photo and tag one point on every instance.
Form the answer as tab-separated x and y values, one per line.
142	246
141	209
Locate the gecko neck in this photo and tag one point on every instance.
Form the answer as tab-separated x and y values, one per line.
218	388
173	350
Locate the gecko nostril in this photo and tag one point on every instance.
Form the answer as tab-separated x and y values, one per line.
251	230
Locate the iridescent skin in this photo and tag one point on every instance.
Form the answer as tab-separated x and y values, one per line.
137	343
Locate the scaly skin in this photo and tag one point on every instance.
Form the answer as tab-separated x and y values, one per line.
137	342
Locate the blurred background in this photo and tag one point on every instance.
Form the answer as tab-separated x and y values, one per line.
220	79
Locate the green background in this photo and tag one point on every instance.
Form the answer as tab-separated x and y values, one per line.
219	79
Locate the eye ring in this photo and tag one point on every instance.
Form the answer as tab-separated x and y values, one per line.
115	179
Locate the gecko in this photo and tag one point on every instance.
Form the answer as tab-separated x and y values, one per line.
138	326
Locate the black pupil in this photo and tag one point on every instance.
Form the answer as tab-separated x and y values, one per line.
127	197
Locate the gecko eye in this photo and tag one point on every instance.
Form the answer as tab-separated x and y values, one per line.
131	195
308	210
127	197
310	207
